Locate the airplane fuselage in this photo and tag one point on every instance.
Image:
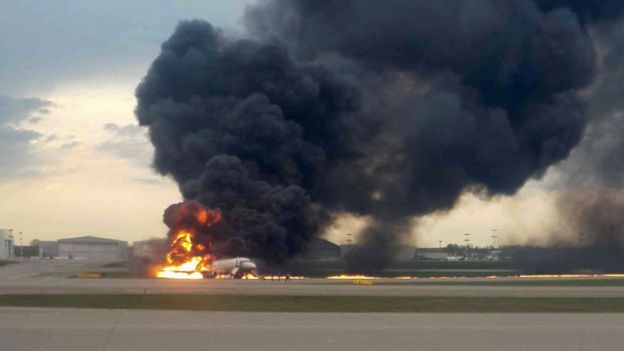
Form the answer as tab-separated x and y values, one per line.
234	267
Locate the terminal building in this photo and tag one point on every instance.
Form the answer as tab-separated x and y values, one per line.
7	247
93	248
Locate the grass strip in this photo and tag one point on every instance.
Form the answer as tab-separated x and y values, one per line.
271	303
549	282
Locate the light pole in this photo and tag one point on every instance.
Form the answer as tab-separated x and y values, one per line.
467	240
440	243
11	249
21	245
494	236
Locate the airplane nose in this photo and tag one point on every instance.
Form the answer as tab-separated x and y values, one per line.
247	266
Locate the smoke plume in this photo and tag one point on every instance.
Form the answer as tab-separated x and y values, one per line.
389	110
589	238
592	203
590	233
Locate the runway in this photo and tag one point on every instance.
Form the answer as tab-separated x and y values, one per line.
35	329
27	278
308	287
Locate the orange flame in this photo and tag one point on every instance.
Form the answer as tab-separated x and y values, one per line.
181	262
185	258
350	276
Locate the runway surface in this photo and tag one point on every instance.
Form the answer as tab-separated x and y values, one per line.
36	329
49	277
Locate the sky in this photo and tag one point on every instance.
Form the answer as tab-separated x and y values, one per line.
74	161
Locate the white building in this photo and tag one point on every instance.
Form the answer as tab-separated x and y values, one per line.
93	248
6	244
432	254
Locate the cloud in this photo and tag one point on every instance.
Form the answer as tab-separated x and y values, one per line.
127	142
129	130
151	181
50	138
70	145
89	37
111	127
18	158
17	110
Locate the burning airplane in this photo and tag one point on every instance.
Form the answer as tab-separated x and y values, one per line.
190	238
236	268
191	251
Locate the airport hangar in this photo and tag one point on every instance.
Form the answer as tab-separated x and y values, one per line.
93	248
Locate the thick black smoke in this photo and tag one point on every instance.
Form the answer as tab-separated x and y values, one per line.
191	216
269	219
242	127
587	10
383	109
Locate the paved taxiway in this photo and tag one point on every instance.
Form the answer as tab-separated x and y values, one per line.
35	329
49	277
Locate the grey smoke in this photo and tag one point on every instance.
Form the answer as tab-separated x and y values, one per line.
592	202
597	163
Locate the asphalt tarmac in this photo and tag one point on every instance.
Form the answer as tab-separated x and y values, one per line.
38	329
50	329
50	277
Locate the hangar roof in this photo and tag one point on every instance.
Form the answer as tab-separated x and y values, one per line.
89	240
